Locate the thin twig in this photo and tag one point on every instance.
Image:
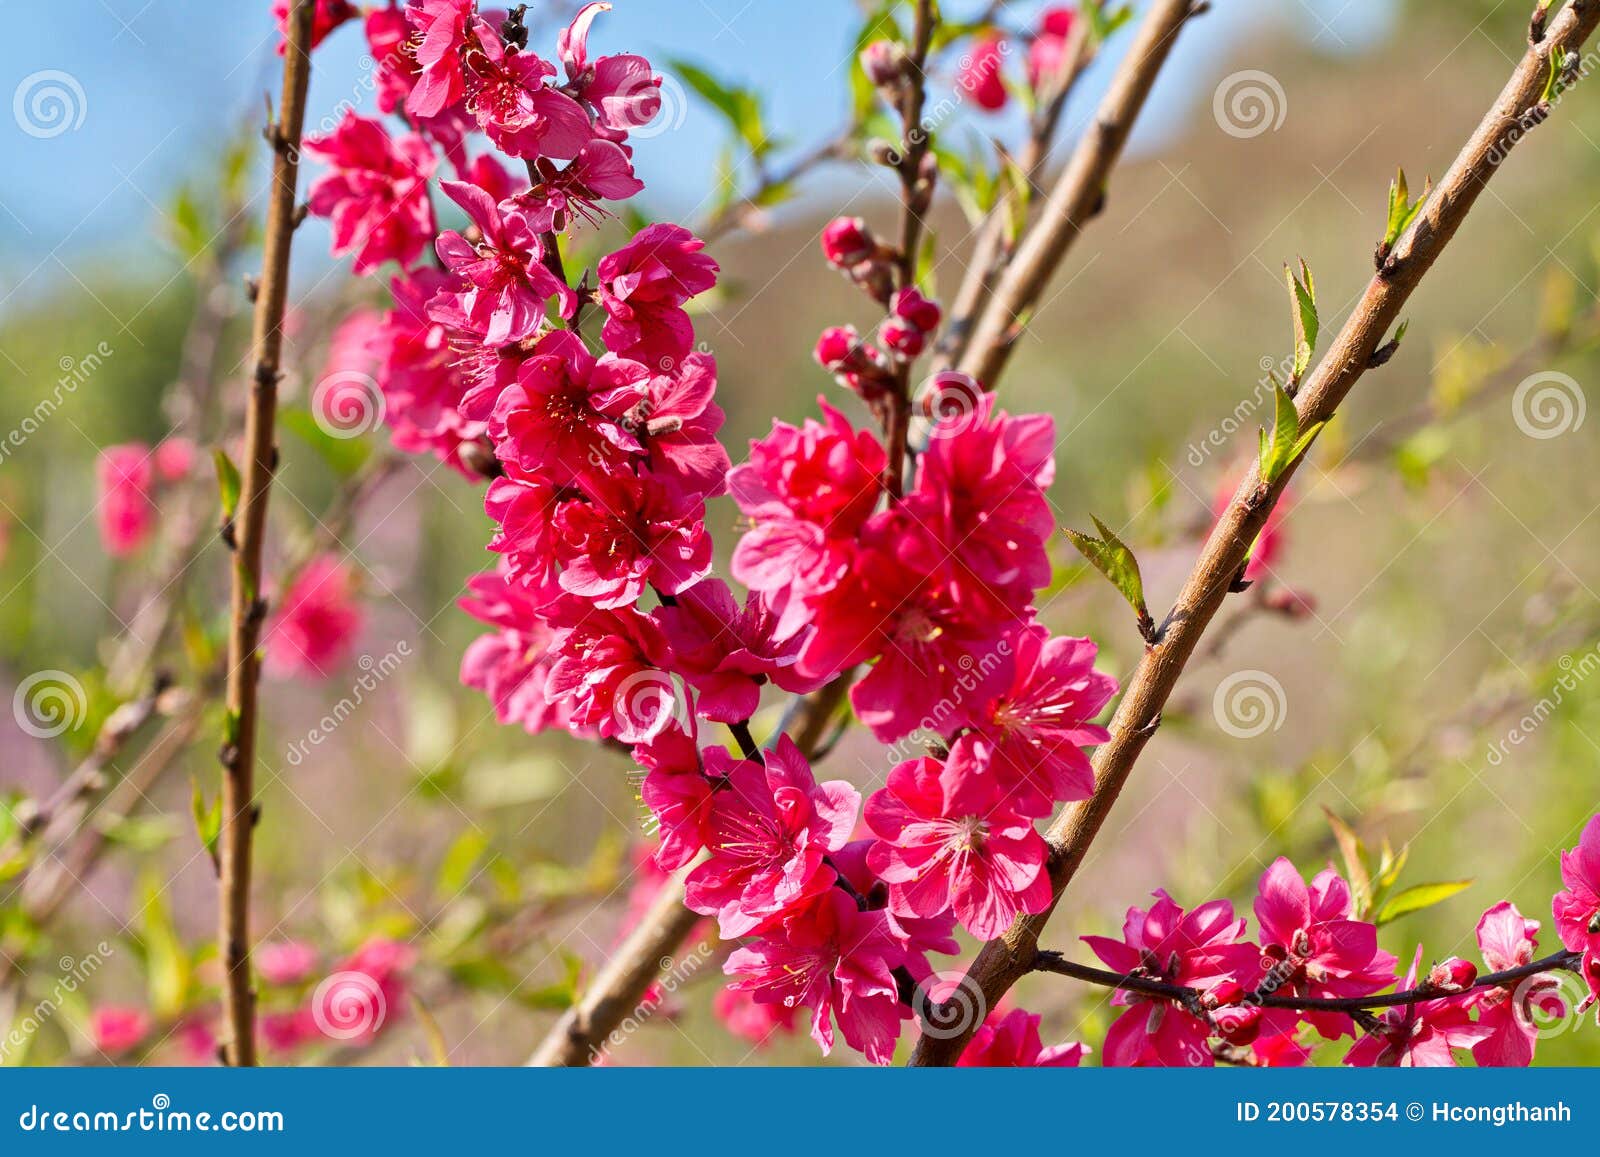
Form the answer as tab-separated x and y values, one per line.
1078	195
250	522
1002	962
1054	962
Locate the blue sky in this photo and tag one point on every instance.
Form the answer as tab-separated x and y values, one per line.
162	81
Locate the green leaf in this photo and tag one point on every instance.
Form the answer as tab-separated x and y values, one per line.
741	107
1288	442
455	870
1402	210
1104	22
1303	299
1418	897
344	456
1112	558
1553	84
1355	862
227	482
207	819
166	964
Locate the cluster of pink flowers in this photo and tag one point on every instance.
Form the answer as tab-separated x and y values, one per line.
607	620
600	441
1312	948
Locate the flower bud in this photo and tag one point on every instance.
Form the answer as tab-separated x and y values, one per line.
902	339
917	311
1453	975
837	345
846	241
1238	1024
884	62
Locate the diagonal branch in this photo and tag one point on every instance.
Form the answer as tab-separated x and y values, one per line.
1079	192
1520	106
238	753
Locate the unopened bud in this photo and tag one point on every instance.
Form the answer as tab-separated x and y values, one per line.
884	62
846	241
1453	975
1238	1024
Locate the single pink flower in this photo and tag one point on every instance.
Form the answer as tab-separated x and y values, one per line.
981	76
376	197
1508	940
1012	1041
1198	949
364	993
316	622
1313	947
643	287
423	378
507	282
117	1029
1577	908
980	493
440	32
806	490
126	509
623	91
285	961
1037	715
563	413
516	108
950	839
836	960
603	667
395	67
630	533
1419	1035
770	830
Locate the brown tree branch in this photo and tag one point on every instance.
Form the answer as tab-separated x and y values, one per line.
247	608
1054	962
1002	962
1078	194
